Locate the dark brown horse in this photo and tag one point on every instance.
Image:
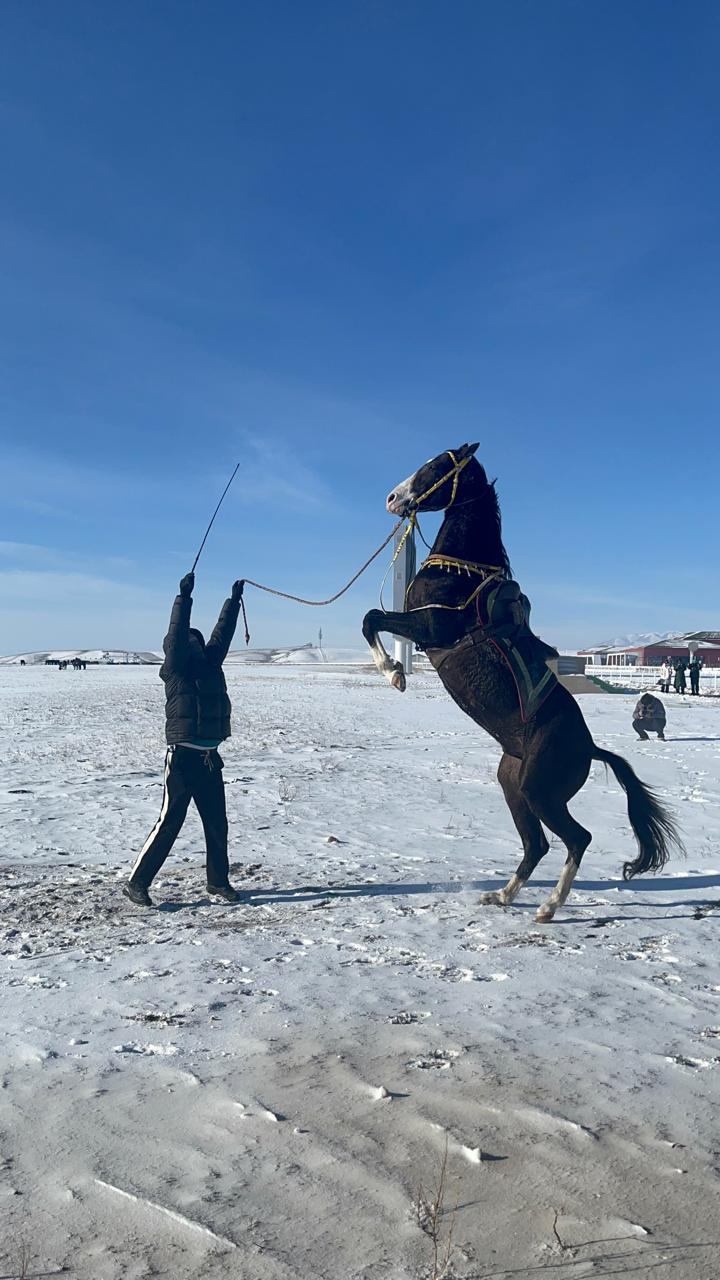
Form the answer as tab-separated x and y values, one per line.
547	754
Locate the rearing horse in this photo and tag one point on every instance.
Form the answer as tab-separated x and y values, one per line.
546	755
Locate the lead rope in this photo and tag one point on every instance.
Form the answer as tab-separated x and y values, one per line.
319	604
412	522
457	467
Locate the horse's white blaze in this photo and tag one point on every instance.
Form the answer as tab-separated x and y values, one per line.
403	496
547	910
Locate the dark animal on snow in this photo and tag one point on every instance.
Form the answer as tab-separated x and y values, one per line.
546	758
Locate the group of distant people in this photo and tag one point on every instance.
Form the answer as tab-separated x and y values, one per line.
62	664
672	673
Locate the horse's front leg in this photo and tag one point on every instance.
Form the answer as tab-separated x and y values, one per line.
407	626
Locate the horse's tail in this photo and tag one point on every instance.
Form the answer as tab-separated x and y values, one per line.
655	830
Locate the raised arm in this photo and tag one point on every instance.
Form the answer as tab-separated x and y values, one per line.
216	649
177	640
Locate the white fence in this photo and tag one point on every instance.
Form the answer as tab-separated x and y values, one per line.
648	677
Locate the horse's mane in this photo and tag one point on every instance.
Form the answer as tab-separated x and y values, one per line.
488	514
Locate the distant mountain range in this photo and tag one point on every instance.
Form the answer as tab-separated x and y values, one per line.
637	639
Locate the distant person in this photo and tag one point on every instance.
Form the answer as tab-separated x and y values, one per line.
22	662
696	665
197	720
666	676
649	717
680	684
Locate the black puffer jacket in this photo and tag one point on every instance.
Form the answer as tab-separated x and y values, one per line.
650	708
197	706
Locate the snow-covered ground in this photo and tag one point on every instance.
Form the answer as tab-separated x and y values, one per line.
258	1091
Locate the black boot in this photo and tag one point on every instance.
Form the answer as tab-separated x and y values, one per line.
138	894
225	891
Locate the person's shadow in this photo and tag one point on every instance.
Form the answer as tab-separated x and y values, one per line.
692	739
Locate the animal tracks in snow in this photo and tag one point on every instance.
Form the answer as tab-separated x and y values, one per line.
435	1060
147	1050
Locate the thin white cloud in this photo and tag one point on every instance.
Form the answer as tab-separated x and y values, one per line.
36	556
273	472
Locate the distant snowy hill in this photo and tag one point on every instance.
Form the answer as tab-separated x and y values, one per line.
107	657
306	654
298	654
636	638
639	638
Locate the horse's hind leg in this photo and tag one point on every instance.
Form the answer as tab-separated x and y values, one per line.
533	837
553	811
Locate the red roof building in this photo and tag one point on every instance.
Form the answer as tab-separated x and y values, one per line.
705	643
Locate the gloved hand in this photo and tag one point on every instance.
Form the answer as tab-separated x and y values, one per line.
237	590
186	584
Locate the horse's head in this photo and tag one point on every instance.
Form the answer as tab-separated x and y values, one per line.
436	484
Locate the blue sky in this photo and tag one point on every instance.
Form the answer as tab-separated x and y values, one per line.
329	241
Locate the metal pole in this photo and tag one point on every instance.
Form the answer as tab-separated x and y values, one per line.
403	574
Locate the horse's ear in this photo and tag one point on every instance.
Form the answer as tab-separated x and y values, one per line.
467	450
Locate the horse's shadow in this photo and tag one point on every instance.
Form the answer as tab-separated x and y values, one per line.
310	893
314	893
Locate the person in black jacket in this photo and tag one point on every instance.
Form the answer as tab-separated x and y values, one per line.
696	665
649	717
197	720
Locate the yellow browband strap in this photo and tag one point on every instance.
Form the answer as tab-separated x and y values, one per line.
455	473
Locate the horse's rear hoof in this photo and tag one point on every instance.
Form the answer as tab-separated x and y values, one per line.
398	681
544	915
494	899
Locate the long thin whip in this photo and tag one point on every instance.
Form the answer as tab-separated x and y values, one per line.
202	544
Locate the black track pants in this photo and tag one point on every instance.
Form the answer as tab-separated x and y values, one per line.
649	726
189	775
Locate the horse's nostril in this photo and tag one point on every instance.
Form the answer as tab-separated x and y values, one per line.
391	497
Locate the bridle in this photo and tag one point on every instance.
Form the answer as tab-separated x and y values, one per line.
484	571
448	562
457	467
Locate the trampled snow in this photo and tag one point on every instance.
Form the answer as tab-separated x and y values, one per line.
209	1091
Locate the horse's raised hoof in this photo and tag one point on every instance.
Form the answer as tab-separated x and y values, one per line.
494	899
397	679
544	914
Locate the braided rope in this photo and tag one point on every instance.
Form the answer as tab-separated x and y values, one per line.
285	595
457	467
